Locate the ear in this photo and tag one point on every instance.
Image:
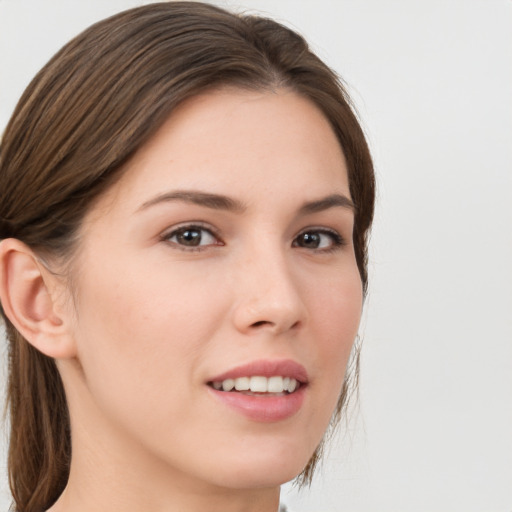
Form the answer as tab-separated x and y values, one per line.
34	300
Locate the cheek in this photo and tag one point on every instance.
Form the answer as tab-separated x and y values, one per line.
337	311
132	332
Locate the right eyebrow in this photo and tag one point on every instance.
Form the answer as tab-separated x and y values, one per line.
209	200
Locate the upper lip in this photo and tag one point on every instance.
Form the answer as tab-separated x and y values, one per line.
266	368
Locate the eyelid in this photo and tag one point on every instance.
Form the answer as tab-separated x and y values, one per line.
200	225
339	240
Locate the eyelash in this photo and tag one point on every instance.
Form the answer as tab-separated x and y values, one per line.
192	227
337	241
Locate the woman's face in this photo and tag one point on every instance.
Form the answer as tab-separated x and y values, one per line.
223	253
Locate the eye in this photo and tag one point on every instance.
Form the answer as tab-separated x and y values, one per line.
319	239
192	237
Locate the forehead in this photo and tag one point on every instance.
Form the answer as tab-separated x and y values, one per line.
244	143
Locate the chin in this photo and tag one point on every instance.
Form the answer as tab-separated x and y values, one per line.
265	468
254	478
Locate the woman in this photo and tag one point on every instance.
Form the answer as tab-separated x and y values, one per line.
185	204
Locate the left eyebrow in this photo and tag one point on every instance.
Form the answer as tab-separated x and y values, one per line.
331	201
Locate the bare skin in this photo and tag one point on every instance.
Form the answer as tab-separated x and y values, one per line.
170	290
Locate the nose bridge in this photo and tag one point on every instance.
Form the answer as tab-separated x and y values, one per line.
268	292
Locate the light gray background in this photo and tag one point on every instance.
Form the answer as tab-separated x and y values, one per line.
432	82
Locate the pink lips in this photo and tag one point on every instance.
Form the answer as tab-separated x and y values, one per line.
264	408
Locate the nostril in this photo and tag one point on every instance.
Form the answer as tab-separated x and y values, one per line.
263	323
260	323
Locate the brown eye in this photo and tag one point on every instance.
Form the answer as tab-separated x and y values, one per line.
309	240
192	236
318	239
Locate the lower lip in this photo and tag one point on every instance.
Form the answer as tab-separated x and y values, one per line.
264	409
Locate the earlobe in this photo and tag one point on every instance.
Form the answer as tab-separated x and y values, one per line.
30	296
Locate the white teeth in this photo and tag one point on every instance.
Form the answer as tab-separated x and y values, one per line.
242	384
292	385
258	384
275	385
228	384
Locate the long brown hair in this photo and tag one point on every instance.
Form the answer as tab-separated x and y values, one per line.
82	117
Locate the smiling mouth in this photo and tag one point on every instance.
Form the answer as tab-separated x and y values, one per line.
258	385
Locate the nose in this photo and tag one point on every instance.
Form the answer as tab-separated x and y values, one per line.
268	297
